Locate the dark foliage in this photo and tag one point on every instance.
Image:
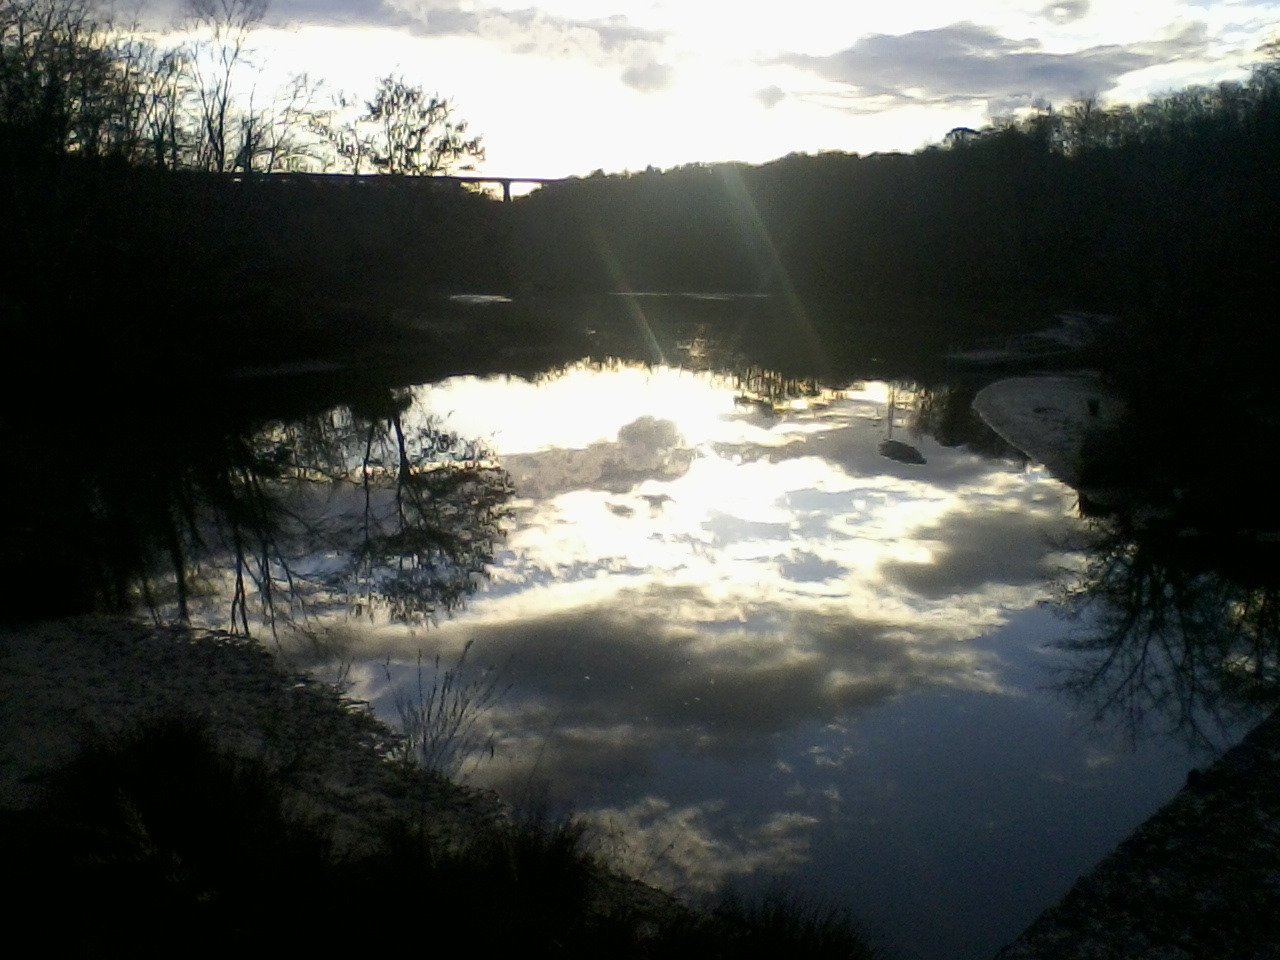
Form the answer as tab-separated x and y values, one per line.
122	273
1160	213
161	840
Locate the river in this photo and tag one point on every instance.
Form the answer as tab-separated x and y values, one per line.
817	630
753	649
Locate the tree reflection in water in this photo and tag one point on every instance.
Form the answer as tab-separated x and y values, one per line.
1183	621
342	510
432	508
359	512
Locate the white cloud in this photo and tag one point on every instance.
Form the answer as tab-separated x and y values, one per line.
1066	11
693	849
646	74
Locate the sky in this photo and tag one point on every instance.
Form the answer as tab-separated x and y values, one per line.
566	87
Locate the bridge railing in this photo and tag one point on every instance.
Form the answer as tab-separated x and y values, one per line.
393	179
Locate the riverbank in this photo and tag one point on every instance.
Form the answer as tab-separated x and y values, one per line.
68	683
1200	879
257	805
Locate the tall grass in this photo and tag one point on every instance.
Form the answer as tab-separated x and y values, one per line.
441	717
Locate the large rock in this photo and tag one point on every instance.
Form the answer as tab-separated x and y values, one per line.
1051	417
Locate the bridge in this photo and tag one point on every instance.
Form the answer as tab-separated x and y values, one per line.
387	179
506	182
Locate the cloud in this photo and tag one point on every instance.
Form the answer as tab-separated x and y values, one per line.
648	76
771	96
965	61
607	42
602	694
330	13
1065	11
972	550
625	678
647	448
529	26
696	848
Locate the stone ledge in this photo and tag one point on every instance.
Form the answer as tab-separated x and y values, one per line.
1199	879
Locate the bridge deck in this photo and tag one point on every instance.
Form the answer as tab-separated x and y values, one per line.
389	179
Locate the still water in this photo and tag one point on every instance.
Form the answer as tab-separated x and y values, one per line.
753	648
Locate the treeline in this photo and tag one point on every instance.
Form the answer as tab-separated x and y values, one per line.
141	228
77	82
173	268
1164	209
145	217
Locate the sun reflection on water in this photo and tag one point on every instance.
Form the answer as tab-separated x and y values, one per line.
710	600
650	500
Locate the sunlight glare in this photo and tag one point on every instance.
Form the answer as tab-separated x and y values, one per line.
578	406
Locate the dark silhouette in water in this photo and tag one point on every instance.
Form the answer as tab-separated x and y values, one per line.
121	518
1185	628
1182	578
945	412
900	451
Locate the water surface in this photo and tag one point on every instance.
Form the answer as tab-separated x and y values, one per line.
751	647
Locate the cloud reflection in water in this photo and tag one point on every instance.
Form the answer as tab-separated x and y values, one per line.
689	582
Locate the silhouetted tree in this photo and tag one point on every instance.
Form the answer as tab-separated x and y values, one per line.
401	130
218	58
411	521
252	525
73	81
